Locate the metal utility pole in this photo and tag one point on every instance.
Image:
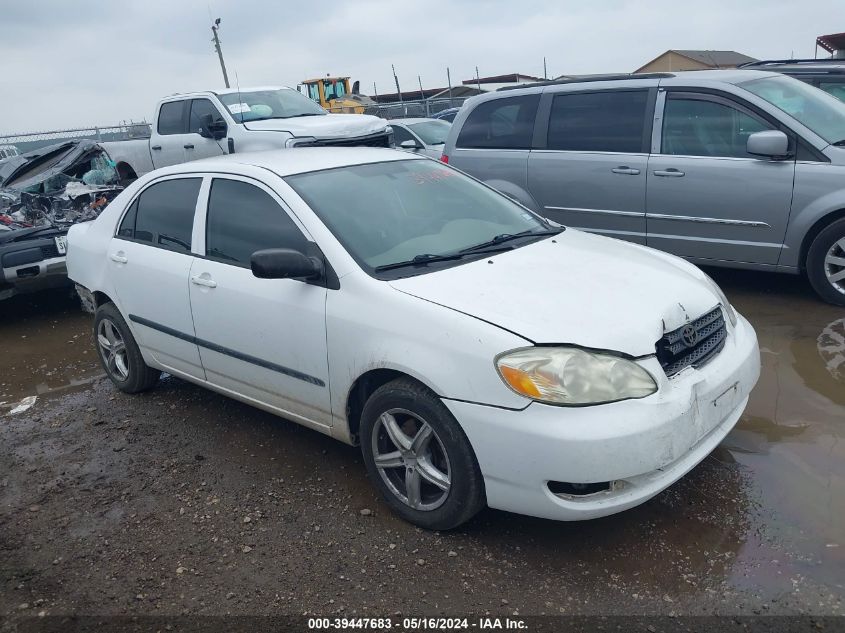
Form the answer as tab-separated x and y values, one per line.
545	72
449	81
214	29
396	79
477	79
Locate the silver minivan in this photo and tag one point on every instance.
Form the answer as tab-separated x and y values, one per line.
735	168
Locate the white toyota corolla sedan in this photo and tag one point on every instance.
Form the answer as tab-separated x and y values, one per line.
476	352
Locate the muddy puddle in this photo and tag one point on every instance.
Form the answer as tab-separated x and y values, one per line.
764	514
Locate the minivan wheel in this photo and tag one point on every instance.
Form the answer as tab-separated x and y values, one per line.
826	263
119	353
419	458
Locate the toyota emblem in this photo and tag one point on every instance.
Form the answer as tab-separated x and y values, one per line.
689	335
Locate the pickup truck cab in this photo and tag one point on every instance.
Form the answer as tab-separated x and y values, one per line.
213	123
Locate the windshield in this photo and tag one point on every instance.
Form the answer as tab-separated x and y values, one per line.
269	104
392	212
814	108
431	132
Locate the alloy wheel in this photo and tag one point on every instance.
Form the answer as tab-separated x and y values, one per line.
834	265
113	350
411	459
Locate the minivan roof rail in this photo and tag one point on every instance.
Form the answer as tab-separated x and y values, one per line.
777	62
587	78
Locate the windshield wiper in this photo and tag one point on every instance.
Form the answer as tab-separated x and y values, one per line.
840	143
428	258
293	116
507	237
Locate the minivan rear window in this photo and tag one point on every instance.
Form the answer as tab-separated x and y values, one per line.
506	123
609	121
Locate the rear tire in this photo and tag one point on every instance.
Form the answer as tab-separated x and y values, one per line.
433	479
826	263
119	353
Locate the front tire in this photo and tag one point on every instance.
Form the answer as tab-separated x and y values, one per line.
119	353
419	458
826	263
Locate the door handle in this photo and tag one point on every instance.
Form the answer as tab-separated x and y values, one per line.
626	170
156	147
117	257
188	146
199	280
669	173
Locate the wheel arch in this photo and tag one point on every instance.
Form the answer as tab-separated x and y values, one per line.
819	226
363	387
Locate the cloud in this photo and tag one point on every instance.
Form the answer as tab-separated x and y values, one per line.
70	64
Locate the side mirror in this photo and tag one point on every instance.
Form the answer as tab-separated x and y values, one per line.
212	128
771	144
285	263
409	144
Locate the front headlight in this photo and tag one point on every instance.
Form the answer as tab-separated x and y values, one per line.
572	376
729	309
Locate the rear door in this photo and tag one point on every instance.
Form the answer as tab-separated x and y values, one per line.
167	146
150	259
494	142
707	197
261	338
197	146
588	168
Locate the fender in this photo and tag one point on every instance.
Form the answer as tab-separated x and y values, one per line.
808	213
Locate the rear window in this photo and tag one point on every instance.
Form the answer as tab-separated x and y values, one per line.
170	118
598	121
501	124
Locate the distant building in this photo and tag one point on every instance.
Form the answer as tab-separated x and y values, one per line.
677	60
833	44
500	81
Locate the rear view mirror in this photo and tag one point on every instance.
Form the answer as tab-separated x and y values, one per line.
409	144
771	144
212	128
285	263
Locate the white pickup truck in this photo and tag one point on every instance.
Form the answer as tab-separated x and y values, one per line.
211	123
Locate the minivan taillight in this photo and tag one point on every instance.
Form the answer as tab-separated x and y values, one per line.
444	158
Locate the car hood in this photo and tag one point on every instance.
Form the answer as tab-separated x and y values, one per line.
323	126
575	288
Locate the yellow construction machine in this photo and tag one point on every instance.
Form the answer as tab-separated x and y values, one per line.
334	95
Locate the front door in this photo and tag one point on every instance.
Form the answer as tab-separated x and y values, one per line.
167	145
708	198
151	259
261	338
197	146
591	174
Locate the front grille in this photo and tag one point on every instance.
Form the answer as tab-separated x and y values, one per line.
692	344
376	140
50	250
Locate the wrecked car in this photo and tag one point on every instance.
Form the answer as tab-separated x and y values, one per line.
43	193
476	352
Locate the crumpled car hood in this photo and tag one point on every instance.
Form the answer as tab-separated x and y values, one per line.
324	126
574	288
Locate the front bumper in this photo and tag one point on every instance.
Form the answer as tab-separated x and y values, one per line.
640	446
32	277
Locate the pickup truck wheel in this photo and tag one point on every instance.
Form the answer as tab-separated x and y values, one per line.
119	353
419	457
826	263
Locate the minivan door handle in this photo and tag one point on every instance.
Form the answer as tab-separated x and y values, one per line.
156	147
117	257
626	170
203	280
669	173
188	146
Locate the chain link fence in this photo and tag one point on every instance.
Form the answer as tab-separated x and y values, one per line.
28	141
418	108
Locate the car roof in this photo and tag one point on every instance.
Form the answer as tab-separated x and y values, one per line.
286	162
225	91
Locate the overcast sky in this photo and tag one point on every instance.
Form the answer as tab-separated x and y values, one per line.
67	64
